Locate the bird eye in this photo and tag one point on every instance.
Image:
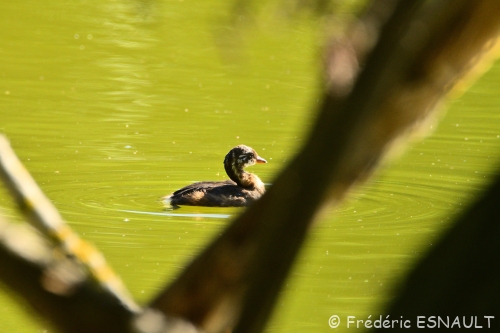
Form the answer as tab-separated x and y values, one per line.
245	157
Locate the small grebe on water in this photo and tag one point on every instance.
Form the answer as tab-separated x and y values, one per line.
243	188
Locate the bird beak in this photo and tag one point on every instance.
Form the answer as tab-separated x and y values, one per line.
260	160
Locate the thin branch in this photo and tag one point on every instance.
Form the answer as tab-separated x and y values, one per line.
52	274
55	286
45	217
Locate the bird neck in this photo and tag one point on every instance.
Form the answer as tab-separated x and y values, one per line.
244	179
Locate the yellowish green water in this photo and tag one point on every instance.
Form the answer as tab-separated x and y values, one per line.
113	104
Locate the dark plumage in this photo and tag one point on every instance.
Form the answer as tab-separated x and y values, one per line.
241	189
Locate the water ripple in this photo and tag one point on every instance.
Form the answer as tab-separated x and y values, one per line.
193	215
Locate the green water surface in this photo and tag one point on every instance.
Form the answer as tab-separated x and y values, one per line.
111	104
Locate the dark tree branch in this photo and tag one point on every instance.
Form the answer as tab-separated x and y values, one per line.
460	275
424	48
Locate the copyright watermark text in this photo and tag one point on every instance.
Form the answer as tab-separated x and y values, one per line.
418	322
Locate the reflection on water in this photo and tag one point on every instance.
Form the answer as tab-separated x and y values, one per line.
126	29
188	215
112	105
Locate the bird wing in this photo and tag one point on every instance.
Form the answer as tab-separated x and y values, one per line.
203	186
